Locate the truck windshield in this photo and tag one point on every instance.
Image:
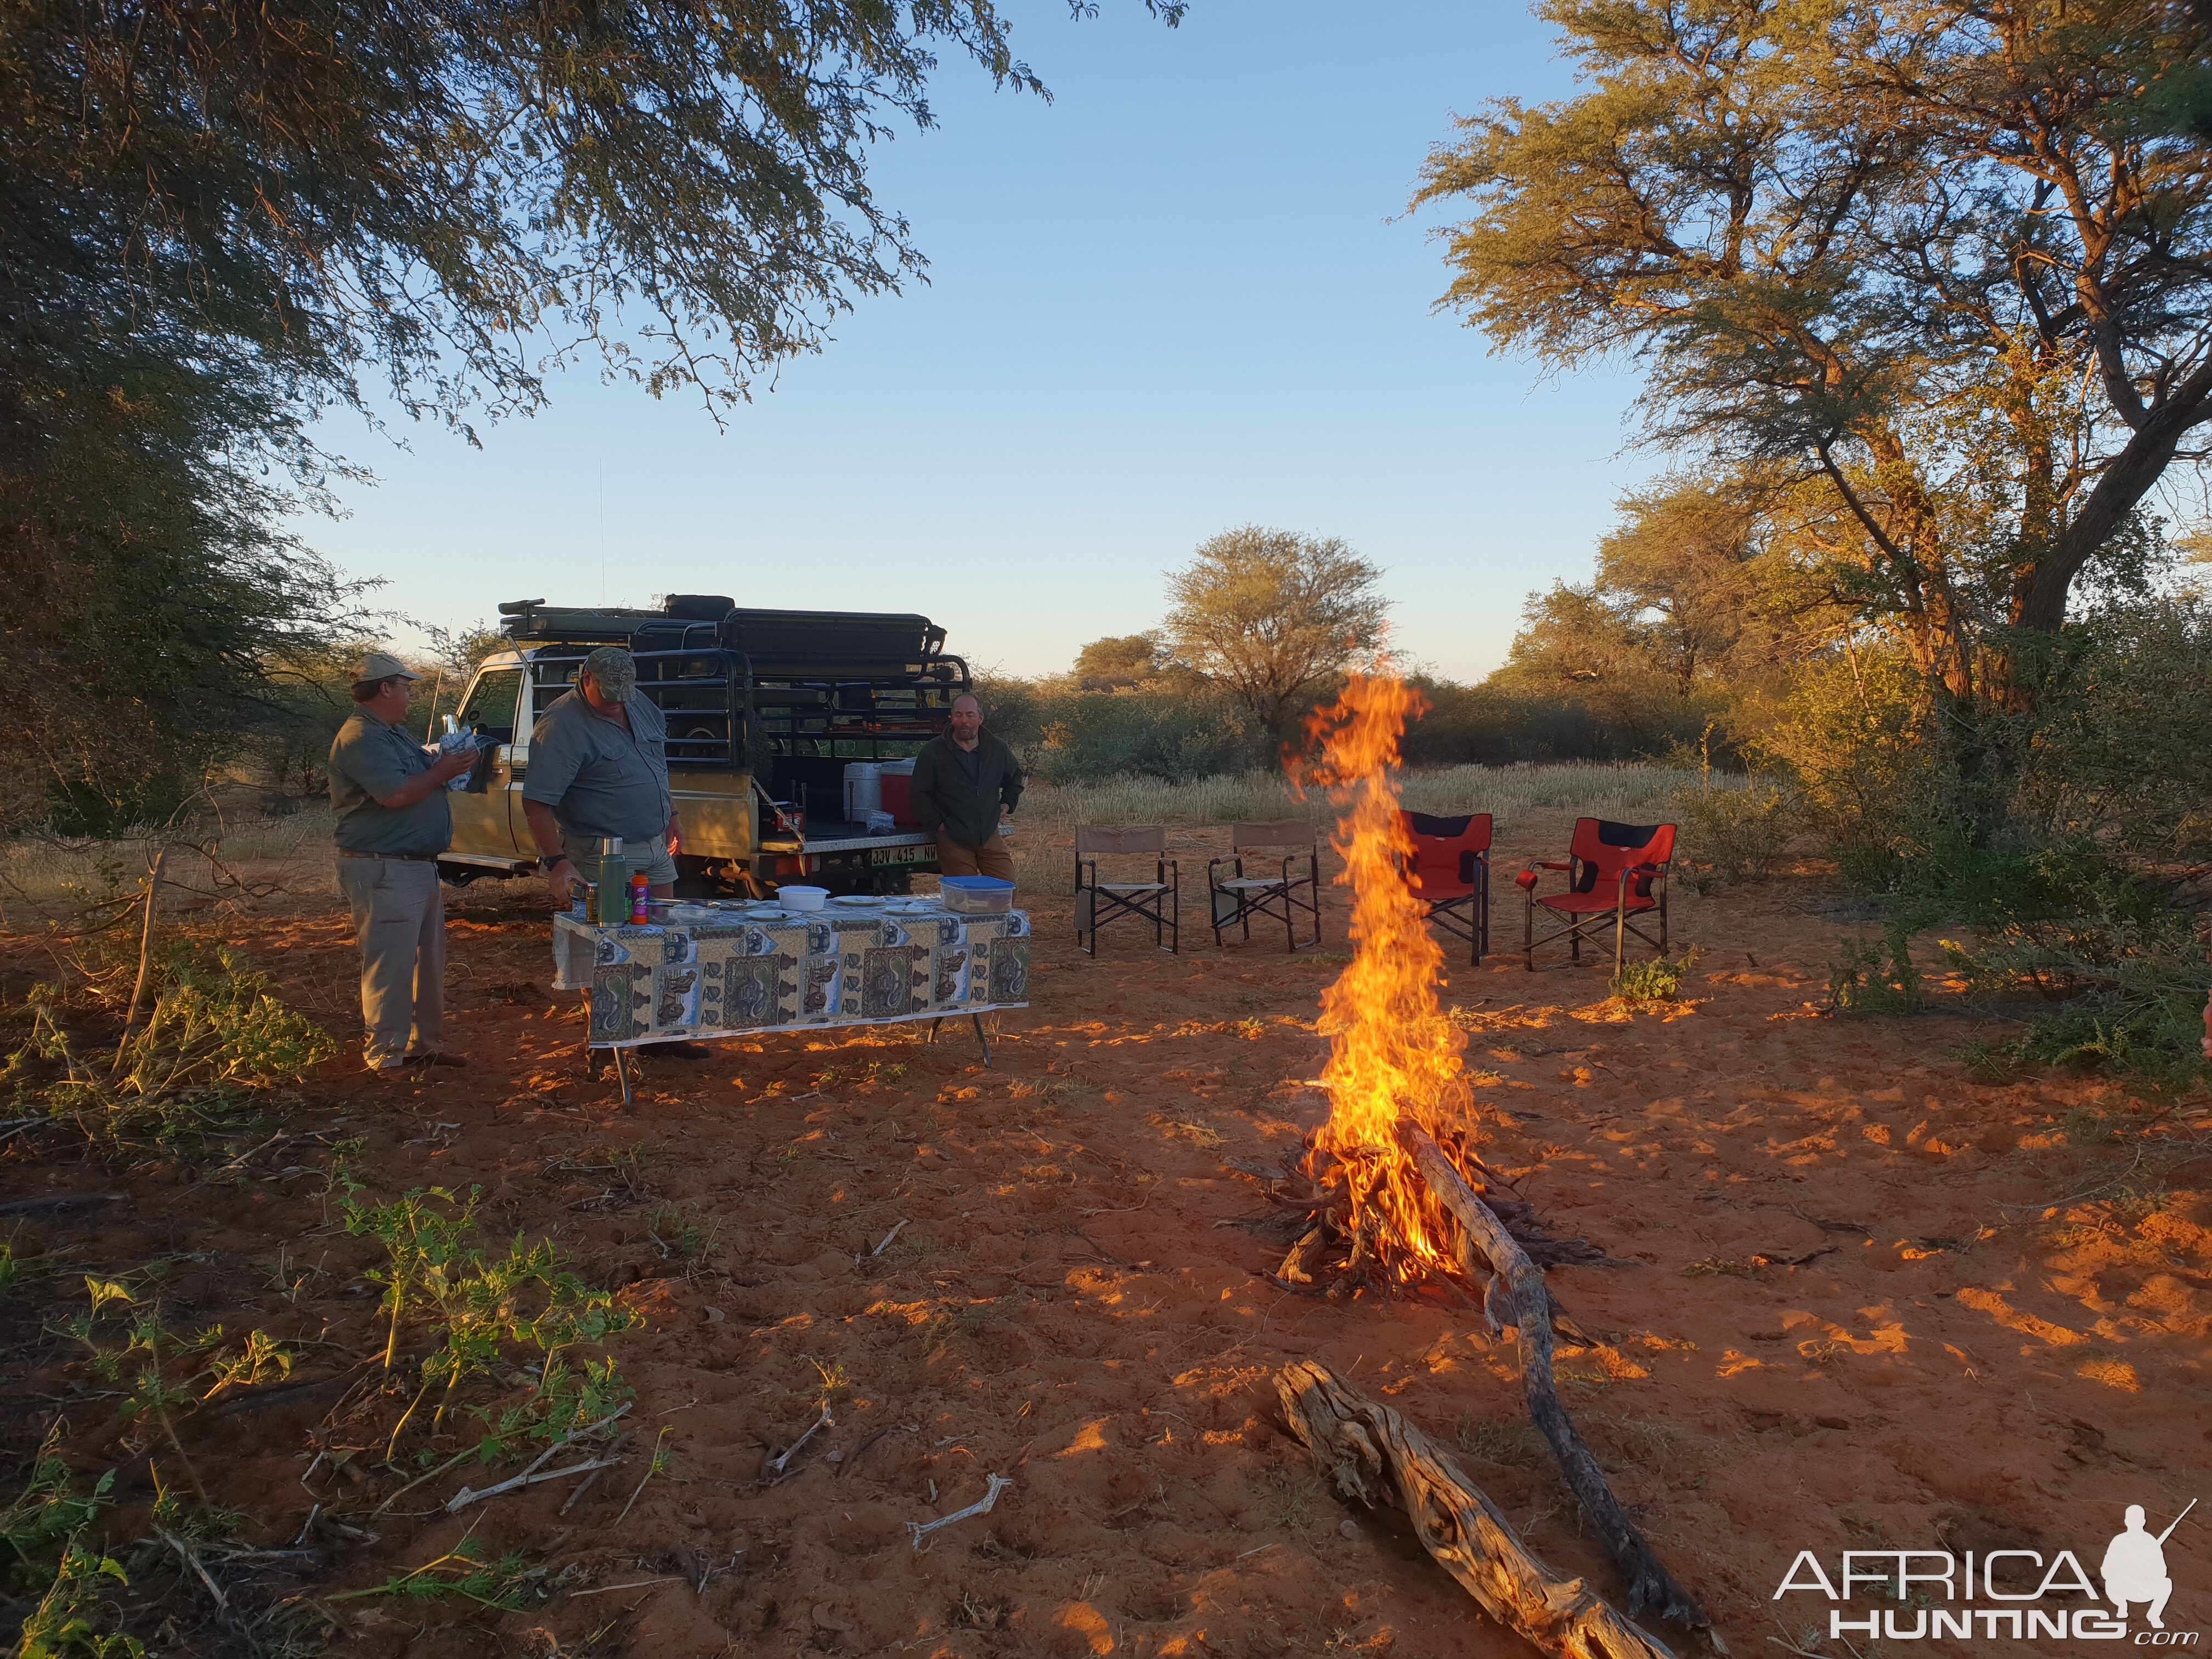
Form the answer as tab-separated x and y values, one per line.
491	707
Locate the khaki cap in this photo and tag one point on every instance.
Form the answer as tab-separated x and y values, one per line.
382	666
613	670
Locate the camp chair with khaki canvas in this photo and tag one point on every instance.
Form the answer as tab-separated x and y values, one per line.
1614	872
1283	897
1449	872
1159	901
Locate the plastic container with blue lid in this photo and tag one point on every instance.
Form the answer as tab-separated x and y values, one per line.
976	896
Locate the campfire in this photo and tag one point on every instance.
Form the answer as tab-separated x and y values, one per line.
1395	1063
1394	1195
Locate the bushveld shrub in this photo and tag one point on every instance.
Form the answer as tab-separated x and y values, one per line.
1179	728
217	1039
1177	735
1654	979
1860	744
2120	748
1731	834
2124	967
1877	976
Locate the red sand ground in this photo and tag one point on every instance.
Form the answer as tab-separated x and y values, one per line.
1861	1301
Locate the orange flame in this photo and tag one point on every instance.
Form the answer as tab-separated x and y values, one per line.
1394	1056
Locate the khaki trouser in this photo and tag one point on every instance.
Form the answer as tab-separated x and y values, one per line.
399	923
993	860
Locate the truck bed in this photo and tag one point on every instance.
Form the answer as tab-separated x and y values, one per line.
827	835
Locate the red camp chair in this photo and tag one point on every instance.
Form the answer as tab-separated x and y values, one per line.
1615	871
1449	873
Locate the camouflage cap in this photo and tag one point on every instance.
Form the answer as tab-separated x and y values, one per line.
613	670
381	665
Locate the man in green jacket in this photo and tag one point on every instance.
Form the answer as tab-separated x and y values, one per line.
963	783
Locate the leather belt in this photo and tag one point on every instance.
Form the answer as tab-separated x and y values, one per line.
404	858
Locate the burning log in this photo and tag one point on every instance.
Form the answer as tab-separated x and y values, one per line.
1375	1455
1380	1180
1651	1588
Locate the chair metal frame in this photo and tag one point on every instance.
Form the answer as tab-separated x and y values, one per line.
1097	903
1462	844
1239	897
1597	858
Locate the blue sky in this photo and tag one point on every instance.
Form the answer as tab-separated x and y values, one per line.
1183	295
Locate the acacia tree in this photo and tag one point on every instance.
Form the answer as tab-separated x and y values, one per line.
1274	616
218	218
1923	255
1119	662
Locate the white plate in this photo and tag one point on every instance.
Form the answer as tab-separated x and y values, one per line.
856	899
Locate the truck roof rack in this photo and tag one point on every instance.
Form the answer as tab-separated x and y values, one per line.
808	645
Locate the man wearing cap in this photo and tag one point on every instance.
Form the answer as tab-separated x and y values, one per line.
599	767
393	822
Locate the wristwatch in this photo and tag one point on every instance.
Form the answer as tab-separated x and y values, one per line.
548	862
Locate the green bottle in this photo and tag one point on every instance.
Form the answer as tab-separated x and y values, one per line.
614	884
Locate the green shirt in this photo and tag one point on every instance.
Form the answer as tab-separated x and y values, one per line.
957	791
598	779
370	758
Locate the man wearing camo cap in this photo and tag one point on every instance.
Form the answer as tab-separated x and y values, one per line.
598	766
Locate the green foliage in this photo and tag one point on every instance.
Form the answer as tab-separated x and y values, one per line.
218	1038
222	220
2119	748
1924	263
61	1627
1274	618
1175	732
1654	979
39	1533
488	1314
46	1514
500	1586
2124	971
1877	976
1117	664
677	1235
1730	836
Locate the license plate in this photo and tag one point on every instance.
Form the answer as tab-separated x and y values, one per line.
901	854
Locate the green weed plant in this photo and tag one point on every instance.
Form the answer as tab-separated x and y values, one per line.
1877	976
1654	979
217	1040
39	1531
490	1315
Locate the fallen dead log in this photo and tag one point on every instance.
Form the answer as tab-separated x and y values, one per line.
1651	1588
1373	1455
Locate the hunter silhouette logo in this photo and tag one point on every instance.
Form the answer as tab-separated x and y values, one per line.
1908	1596
2135	1566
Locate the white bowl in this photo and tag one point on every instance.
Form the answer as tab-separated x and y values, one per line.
803	899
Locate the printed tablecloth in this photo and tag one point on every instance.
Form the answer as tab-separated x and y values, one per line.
841	967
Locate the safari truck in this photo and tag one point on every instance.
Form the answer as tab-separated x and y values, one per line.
765	709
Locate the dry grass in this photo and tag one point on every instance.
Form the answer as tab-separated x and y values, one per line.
44	876
1045	827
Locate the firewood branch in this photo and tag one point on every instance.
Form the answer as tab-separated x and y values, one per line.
1651	1588
1375	1456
